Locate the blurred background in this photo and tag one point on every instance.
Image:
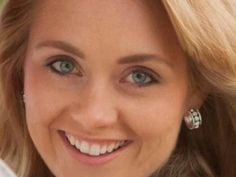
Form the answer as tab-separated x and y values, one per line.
1	3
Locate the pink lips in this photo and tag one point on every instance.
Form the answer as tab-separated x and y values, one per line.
92	160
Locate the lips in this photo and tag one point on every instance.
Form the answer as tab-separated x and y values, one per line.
95	148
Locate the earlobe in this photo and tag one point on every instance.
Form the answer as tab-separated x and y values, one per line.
197	99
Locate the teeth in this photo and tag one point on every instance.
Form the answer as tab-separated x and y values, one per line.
110	148
117	145
122	143
103	150
72	140
77	144
84	147
94	149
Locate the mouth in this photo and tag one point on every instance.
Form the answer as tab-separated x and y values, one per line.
94	152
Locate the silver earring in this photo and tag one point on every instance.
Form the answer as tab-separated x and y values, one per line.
194	119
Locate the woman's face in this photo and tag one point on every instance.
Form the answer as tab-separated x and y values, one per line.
106	87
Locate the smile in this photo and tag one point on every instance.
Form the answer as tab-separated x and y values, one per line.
94	149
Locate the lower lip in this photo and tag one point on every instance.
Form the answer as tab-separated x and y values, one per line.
91	160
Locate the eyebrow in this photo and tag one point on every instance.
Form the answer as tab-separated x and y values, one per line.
62	46
139	58
136	58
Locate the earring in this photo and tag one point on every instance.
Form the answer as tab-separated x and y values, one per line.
23	97
194	119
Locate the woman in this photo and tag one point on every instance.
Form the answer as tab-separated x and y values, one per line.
105	88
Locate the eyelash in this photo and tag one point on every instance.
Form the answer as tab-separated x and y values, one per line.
153	78
61	58
146	72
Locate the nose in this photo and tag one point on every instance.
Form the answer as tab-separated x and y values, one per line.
96	109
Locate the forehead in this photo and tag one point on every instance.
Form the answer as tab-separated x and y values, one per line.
127	24
96	8
102	13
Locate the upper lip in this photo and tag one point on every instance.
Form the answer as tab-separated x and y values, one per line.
100	141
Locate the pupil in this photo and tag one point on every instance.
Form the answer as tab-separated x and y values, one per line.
139	77
66	67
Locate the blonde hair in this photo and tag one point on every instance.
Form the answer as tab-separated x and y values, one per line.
207	32
16	147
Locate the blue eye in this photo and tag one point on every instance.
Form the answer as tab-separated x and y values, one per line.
141	78
63	65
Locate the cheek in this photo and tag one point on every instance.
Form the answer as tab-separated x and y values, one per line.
161	113
41	105
156	121
43	93
156	126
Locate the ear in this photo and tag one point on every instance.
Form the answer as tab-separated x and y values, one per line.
197	99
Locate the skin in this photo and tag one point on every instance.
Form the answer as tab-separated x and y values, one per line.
100	99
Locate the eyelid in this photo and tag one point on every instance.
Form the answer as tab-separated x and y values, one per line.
154	75
53	59
144	69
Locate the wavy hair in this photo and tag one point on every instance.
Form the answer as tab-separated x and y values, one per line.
207	33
